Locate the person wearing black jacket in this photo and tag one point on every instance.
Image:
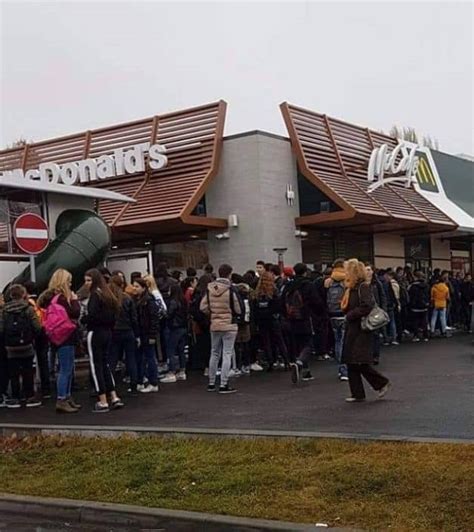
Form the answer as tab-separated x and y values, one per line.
380	298
467	299
419	294
102	311
301	302
149	328
177	323
125	333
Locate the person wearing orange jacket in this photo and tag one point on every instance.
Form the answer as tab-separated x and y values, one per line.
439	300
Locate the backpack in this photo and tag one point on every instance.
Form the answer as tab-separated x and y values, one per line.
57	324
236	316
195	310
244	319
334	296
264	308
294	305
18	330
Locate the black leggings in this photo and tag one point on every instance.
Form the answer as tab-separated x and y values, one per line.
21	367
98	343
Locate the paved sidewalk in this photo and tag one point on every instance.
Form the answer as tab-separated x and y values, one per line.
432	397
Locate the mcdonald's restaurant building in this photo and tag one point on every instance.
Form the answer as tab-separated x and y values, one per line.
173	188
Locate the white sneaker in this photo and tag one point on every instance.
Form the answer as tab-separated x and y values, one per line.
140	387
206	372
234	373
181	376
169	377
246	370
256	367
395	343
149	388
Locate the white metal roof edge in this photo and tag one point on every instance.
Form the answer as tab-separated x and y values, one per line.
70	190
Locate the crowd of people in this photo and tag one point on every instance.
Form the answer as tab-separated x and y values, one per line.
150	330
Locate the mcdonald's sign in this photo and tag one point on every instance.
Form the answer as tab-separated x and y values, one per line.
425	175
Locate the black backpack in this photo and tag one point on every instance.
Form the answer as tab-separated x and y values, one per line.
195	311
264	308
17	329
294	305
237	316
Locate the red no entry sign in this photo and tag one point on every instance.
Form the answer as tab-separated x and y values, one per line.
31	233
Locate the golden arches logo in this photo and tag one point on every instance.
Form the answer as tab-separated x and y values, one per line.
424	173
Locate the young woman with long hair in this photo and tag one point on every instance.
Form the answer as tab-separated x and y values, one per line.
102	311
148	313
358	354
200	327
125	334
59	290
177	323
267	315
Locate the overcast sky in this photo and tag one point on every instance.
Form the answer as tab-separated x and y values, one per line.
72	66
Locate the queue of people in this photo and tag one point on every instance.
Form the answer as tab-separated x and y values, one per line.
225	324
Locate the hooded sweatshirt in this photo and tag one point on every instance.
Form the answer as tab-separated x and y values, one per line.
216	304
16	307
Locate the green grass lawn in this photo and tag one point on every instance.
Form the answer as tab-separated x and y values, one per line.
370	485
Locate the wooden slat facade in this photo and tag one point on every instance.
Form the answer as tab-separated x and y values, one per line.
334	155
193	138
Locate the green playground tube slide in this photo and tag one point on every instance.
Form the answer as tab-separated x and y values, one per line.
82	242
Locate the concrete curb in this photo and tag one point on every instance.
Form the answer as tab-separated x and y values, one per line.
124	515
92	431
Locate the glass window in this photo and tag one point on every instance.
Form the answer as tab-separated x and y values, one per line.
182	255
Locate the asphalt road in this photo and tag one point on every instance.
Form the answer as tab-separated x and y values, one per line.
432	396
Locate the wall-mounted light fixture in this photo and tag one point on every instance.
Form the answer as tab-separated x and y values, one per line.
301	234
233	220
222	236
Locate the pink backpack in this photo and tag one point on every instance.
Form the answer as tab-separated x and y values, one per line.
57	324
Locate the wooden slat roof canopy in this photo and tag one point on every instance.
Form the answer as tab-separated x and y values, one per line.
166	198
334	155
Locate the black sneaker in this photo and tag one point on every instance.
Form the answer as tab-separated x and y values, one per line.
295	372
307	376
33	402
13	403
132	392
227	389
99	408
211	387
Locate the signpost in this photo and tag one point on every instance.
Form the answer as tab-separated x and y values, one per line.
31	235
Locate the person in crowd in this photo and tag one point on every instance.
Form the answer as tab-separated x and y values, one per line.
191	272
419	295
126	335
392	292
251	280
41	344
102	311
164	281
19	327
222	303
435	277
301	302
148	313
267	314
242	341
380	298
162	307
335	288
188	286
403	316
200	326
453	301
60	292
209	270
322	332
357	303
439	300
105	272
177	324
467	299
259	267
134	276
278	277
177	276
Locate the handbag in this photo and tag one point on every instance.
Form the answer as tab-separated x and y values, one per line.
376	319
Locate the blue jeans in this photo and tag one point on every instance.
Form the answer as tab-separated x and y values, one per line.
222	345
338	328
66	369
124	342
147	364
175	344
441	312
391	328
